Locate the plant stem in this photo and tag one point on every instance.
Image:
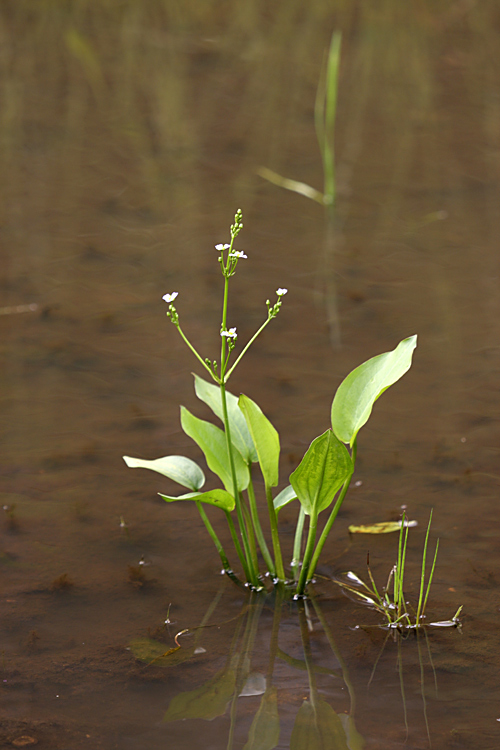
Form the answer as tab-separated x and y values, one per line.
258	528
189	344
422	577
245	349
215	538
225	562
331	519
273	520
252	574
250	567
251	536
297	544
237	544
311	538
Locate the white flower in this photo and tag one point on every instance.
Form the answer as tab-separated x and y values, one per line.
170	297
222	247
237	254
281	292
231	334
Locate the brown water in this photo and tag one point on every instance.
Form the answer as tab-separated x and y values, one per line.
129	134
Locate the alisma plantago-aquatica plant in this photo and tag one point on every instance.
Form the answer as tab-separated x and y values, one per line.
322	477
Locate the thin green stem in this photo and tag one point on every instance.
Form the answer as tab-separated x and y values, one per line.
311	538
251	536
198	357
245	349
431	575
237	545
422	575
297	544
252	573
258	528
215	538
273	520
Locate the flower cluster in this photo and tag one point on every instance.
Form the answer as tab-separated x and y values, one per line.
273	310
171	312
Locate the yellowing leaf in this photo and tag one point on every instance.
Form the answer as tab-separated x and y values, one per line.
380	528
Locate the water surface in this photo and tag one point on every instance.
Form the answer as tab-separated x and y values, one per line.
129	134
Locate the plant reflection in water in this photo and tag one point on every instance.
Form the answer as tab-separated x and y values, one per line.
317	725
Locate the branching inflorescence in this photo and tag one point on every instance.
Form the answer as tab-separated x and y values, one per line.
322	477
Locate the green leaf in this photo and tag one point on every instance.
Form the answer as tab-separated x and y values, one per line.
265	438
265	730
353	402
219	498
323	470
205	702
212	441
285	496
317	728
355	740
240	436
178	468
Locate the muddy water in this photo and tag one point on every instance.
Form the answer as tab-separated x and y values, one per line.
129	133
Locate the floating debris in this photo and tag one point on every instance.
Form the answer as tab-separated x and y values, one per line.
386	527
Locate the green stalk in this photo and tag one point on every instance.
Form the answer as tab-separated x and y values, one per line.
430	578
237	544
258	528
331	519
273	520
215	538
239	510
198	357
252	573
311	538
422	576
245	349
297	544
251	536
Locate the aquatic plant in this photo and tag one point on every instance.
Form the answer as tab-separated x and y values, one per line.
390	601
249	437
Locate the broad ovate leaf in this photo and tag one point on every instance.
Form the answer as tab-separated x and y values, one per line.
212	441
318	728
321	473
265	730
178	468
353	402
205	702
265	438
219	498
284	497
240	436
